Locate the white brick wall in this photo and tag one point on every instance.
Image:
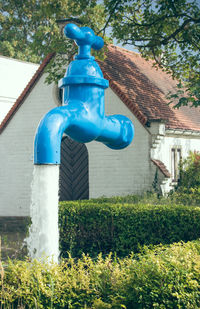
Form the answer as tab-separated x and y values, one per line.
119	172
166	140
110	172
186	143
16	149
15	74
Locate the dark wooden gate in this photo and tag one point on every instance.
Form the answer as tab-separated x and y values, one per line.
74	182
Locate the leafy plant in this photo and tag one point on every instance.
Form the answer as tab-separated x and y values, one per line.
190	174
187	190
165	277
96	226
167	31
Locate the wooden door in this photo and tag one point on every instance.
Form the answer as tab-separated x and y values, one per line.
74	182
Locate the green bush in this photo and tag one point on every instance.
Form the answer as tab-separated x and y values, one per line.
187	190
92	227
175	197
183	197
190	174
166	277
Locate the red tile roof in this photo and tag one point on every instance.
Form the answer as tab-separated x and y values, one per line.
144	88
140	86
161	167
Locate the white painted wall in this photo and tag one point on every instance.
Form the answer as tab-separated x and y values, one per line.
16	149
186	143
111	172
120	172
15	75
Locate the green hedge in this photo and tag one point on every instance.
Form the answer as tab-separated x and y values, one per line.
192	198
160	278
92	227
175	197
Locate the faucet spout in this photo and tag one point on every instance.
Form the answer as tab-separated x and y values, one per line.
82	116
74	119
48	136
117	133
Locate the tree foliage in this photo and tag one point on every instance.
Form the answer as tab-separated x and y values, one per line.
29	29
166	30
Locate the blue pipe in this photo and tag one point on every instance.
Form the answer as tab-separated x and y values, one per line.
82	116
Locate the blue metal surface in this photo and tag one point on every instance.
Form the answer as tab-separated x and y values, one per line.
82	115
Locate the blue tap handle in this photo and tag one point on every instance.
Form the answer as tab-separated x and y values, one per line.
83	36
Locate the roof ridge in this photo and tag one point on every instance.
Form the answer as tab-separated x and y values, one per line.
19	60
133	86
25	92
124	49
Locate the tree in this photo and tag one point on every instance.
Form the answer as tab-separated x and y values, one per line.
167	31
29	29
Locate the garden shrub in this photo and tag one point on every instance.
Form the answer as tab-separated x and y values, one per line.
190	173
187	190
91	227
183	197
166	277
175	197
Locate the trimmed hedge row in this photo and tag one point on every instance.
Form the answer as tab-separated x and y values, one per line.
92	227
192	199
163	278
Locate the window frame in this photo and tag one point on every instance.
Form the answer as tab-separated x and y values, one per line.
175	159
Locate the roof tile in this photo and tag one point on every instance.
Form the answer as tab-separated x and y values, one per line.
140	86
161	167
143	88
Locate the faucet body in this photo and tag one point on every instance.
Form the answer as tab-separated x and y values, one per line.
82	115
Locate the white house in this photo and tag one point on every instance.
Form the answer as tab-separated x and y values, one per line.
15	75
138	91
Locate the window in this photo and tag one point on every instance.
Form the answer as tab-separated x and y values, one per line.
175	163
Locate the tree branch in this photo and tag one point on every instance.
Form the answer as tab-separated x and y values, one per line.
109	18
135	23
160	40
177	31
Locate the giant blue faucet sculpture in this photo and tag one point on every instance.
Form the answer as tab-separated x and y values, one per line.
82	115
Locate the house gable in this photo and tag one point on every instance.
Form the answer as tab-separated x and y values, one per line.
110	172
140	87
25	92
15	74
16	149
144	89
